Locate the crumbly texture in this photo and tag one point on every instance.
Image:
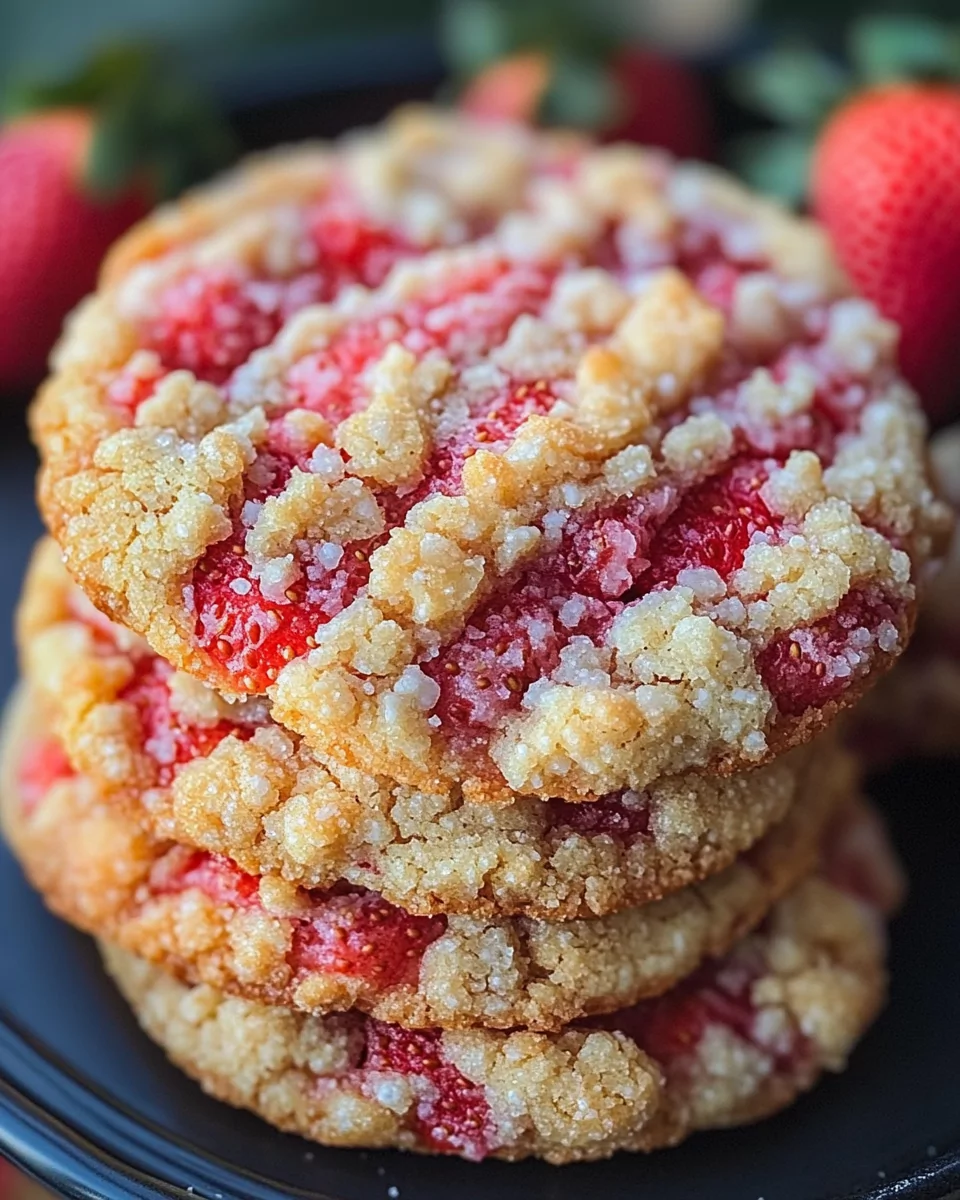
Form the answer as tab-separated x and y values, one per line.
224	778
262	938
732	1046
916	708
612	482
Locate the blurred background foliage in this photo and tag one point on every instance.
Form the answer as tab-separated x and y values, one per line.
188	84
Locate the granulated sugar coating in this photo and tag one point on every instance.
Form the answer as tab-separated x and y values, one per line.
225	778
346	946
737	1041
494	459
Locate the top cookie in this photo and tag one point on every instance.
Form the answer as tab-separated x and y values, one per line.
621	485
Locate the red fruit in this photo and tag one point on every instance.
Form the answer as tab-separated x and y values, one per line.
886	183
359	934
508	90
622	816
210	322
212	874
808	667
670	1027
666	104
712	526
452	1115
52	234
42	763
166	737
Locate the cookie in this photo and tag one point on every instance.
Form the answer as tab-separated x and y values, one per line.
916	708
624	484
734	1043
224	778
345	947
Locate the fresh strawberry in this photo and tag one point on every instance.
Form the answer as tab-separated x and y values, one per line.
510	89
53	233
886	183
561	63
660	102
81	158
664	103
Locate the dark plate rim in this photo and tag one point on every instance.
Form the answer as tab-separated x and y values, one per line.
38	1089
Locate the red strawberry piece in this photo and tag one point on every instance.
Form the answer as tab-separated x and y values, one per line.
167	738
808	667
210	322
670	1027
359	934
217	877
712	526
452	1115
886	183
53	234
509	89
42	763
623	816
352	249
604	560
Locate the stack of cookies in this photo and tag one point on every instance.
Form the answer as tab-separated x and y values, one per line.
464	541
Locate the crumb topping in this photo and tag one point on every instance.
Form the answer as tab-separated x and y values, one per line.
446	484
240	786
738	1041
322	950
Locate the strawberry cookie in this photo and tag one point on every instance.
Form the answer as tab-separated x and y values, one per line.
322	950
226	779
620	485
737	1041
916	709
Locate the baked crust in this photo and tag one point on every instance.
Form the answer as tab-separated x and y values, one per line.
816	981
632	388
261	938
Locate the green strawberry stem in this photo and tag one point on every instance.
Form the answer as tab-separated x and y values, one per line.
151	126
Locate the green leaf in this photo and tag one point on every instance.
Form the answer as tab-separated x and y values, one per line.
111	70
794	85
776	162
889	48
582	93
150	124
473	33
116	148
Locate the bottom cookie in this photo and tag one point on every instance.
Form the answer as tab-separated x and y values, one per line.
735	1042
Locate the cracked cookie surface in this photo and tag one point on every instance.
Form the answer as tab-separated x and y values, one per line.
344	947
736	1042
225	778
616	482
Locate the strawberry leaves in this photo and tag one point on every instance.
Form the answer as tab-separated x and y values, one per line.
152	129
798	86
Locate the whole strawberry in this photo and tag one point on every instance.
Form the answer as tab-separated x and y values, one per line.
886	183
559	62
53	234
80	160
